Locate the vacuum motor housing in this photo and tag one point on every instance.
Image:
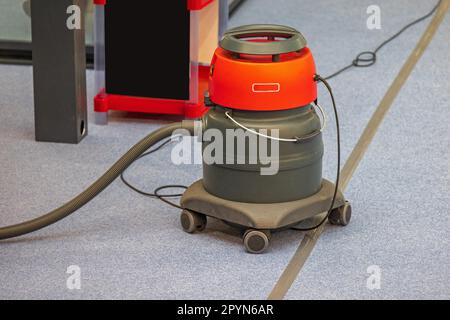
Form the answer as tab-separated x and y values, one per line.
263	76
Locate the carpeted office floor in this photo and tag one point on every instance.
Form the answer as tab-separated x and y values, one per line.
132	247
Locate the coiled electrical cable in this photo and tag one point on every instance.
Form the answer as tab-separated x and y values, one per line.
369	58
152	194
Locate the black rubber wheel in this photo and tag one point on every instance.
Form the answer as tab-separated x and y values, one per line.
256	241
192	221
341	216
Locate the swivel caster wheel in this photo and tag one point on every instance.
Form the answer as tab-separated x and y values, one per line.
341	216
192	221
256	241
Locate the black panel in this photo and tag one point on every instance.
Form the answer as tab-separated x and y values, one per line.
59	73
147	48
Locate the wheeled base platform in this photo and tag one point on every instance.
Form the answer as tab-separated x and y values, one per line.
259	219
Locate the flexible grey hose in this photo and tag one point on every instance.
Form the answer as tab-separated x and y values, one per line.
97	187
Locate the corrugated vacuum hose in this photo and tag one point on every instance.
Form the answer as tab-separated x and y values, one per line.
98	186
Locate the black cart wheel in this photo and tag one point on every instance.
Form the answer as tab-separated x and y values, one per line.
192	221
341	216
256	241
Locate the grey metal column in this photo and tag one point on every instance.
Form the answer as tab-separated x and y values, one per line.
59	72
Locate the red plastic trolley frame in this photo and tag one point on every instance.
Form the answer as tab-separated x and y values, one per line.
192	108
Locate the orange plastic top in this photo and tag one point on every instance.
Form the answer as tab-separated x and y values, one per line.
256	82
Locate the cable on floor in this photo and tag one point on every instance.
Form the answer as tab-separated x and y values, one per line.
156	193
369	58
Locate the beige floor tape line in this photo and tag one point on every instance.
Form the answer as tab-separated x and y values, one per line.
292	270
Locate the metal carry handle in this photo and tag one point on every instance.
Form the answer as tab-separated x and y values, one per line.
232	39
295	139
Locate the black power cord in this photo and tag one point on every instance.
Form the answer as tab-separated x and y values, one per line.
359	61
338	165
155	193
163	197
369	58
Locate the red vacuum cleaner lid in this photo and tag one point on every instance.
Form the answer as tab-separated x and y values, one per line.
253	69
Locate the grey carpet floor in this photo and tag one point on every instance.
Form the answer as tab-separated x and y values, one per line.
132	247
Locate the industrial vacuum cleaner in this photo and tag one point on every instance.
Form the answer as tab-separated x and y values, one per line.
262	77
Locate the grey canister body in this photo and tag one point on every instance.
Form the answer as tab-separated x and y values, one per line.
299	173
